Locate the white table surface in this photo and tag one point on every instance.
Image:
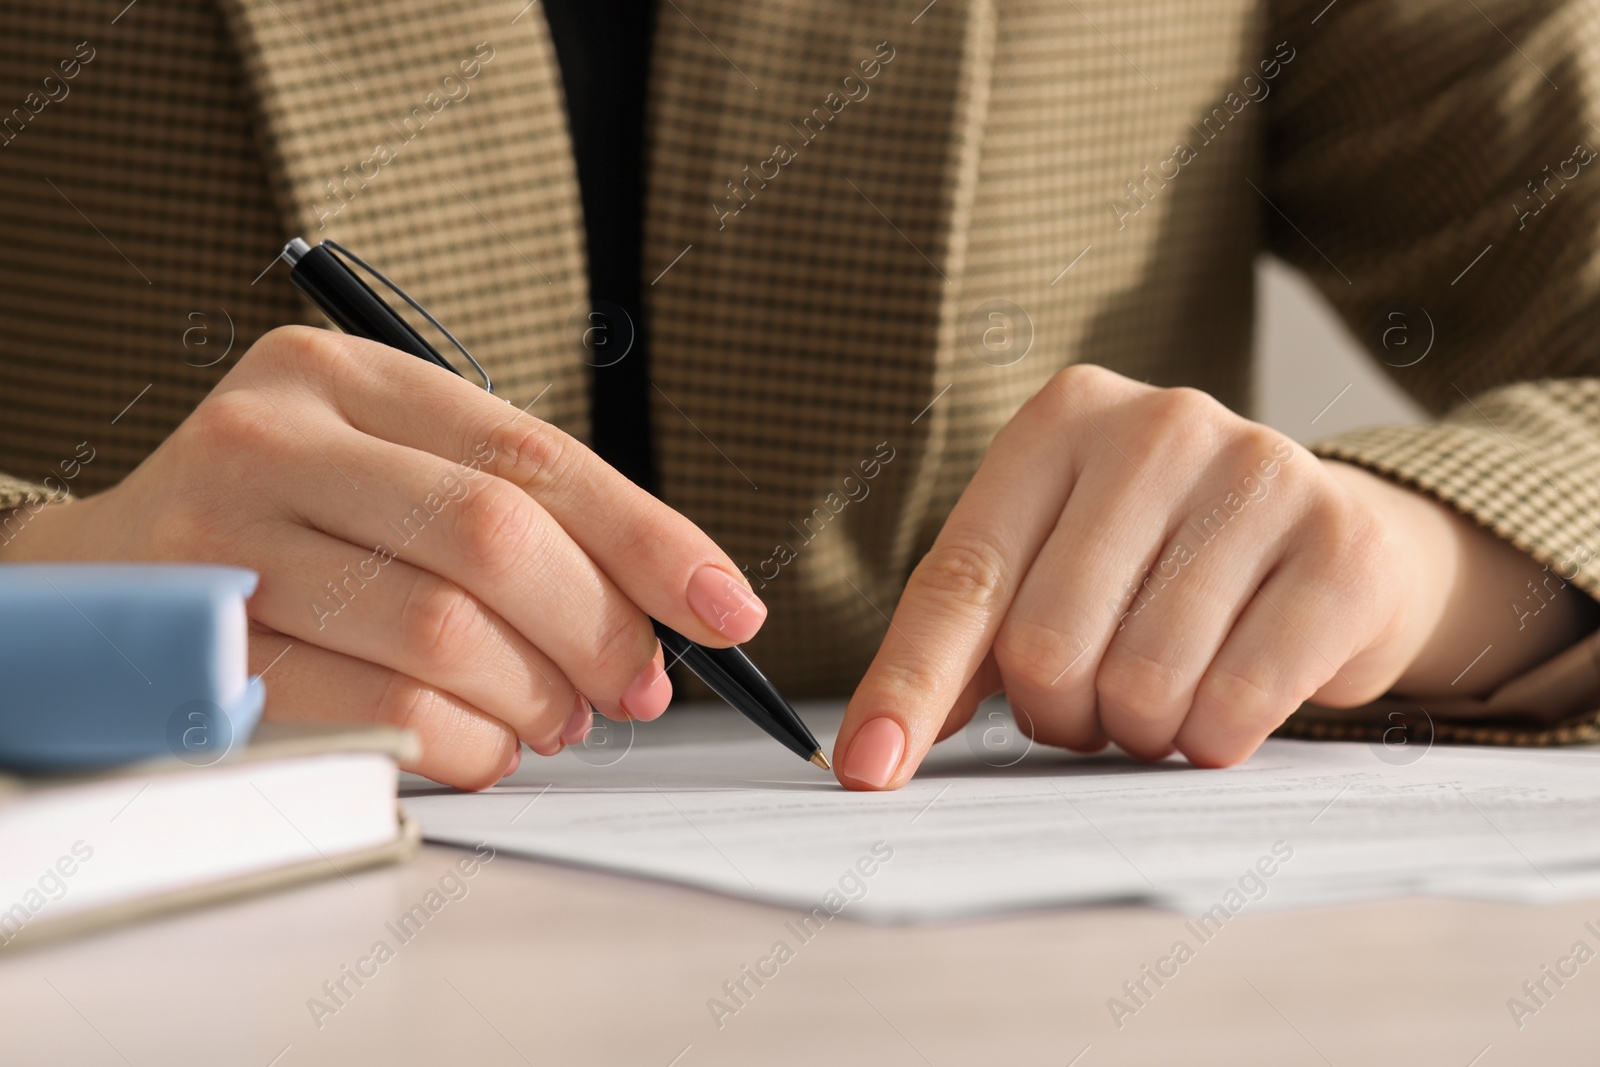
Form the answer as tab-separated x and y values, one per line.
544	964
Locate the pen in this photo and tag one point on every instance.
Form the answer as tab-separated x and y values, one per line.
360	312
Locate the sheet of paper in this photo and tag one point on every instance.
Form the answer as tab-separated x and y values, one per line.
702	798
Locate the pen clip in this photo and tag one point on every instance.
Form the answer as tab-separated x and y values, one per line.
488	386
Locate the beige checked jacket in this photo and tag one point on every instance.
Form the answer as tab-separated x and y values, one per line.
872	229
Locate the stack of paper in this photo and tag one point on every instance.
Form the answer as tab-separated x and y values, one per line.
1300	823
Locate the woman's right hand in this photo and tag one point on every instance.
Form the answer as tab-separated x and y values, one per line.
430	557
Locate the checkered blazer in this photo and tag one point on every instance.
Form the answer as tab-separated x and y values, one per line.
868	227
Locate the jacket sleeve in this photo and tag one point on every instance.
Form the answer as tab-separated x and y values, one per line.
16	493
1432	166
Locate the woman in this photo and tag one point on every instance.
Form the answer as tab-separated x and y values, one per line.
933	318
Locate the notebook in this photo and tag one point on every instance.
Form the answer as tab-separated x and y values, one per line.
298	802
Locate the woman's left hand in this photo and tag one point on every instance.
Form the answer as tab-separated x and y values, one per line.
1143	566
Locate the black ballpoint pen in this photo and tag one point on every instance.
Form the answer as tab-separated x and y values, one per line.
360	312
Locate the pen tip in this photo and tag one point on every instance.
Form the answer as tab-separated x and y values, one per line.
820	760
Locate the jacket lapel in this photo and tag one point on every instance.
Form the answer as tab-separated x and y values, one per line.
810	173
431	139
810	177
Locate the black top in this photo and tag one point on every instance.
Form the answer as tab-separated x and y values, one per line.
604	52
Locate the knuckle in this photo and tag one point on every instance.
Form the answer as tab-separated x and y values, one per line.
1083	380
1183	405
306	350
1233	715
638	541
902	681
1252	443
1237	700
1033	655
969	573
1156	442
543	732
621	645
1070	393
494	528
537	456
447	729
1140	687
1175	424
1359	532
438	625
1346	530
230	422
1241	459
405	703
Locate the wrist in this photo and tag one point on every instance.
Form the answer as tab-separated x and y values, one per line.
41	533
1424	540
1463	635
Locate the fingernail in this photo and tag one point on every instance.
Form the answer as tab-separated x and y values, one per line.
516	761
649	694
725	605
578	723
875	752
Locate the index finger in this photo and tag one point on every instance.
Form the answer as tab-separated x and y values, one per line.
957	597
660	560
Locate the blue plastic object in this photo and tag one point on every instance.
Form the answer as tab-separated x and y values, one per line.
102	664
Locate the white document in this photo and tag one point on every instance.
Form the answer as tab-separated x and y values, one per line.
703	798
